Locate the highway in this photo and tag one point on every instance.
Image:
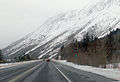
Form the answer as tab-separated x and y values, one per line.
42	71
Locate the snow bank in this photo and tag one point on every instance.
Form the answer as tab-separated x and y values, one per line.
5	65
117	65
109	73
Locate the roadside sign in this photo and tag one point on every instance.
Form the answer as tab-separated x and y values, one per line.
76	55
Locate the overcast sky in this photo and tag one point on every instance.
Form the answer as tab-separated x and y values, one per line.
20	17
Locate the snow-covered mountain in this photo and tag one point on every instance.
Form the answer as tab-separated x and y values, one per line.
60	30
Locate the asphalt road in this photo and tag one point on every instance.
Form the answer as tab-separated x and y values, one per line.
42	71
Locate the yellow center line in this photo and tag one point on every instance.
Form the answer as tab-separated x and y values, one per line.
21	75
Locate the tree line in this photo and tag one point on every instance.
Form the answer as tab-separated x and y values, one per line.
1	56
92	50
15	59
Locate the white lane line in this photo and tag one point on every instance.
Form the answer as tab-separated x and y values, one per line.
9	68
21	75
62	73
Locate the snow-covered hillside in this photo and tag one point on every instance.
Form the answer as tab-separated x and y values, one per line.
97	18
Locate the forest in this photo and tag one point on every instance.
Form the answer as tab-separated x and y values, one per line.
93	51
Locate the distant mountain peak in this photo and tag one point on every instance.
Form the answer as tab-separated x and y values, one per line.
61	29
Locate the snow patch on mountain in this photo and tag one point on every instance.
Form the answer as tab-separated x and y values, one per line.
96	18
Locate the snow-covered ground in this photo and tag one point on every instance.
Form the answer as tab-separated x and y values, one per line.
5	65
107	72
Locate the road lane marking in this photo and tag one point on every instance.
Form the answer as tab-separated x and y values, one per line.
21	75
9	68
62	73
13	66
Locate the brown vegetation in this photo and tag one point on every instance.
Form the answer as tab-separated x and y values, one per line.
93	51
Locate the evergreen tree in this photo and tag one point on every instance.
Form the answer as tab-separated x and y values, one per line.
86	41
28	57
19	58
95	44
62	47
1	56
109	47
15	59
62	52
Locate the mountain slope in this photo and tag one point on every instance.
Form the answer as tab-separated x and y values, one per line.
97	19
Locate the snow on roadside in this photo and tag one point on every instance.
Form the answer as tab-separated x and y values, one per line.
109	73
5	65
